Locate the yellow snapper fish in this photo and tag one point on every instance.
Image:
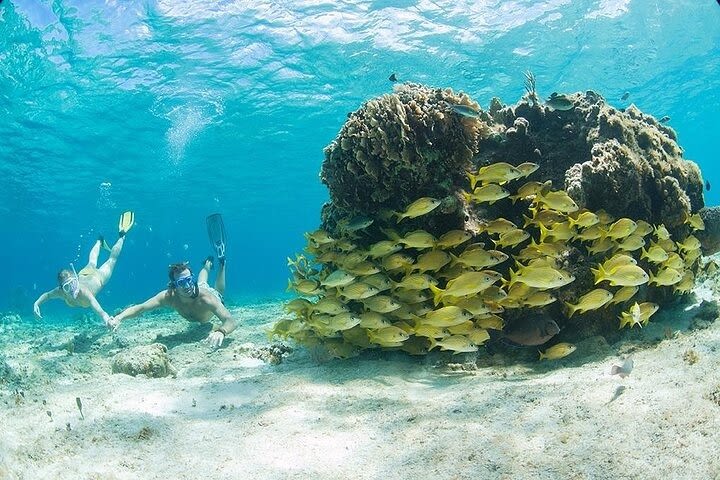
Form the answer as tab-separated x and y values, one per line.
383	248
544	217
412	296
618	260
686	284
661	233
666	277
631	243
418	239
479	336
530	189
388	337
462	329
527	168
358	291
338	278
468	283
647	310
583	219
330	305
632	317
397	261
643	228
497	226
689	244
539	299
654	254
626	276
343	321
604	217
695	221
557	200
373	320
601	245
431	261
511	238
364	269
298	305
558	351
429	331
305	286
559	232
479	258
379	281
319	237
416	281
351	259
491	322
455	343
621	229
453	238
446	317
477	306
499	172
421	206
590	233
541	277
489	193
590	301
381	304
623	295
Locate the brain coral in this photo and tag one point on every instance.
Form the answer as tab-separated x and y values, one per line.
400	146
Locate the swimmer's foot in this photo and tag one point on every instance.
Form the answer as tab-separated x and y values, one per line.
104	244
221	261
208	263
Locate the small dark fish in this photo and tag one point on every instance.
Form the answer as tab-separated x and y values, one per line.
627	94
618	391
559	102
355	224
465	111
707	182
531	330
624	370
79	405
393	78
665	119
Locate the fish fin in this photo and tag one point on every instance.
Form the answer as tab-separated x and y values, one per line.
437	294
615	370
570	309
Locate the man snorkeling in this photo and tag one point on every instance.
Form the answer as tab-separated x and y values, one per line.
80	289
192	298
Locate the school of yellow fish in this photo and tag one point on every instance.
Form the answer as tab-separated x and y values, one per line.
416	292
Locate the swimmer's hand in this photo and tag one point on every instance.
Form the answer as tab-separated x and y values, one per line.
215	339
111	322
36	309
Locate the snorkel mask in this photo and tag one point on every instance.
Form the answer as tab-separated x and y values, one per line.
71	286
186	286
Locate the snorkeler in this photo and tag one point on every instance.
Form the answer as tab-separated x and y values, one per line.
79	289
194	299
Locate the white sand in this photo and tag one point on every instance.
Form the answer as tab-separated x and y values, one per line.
228	416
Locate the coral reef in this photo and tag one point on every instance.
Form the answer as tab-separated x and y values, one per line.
151	360
400	146
590	209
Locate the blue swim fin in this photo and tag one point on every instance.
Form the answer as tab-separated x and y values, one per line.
216	233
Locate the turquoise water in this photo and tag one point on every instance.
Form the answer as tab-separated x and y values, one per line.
180	109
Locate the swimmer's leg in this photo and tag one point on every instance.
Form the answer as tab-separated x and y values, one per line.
220	279
205	271
106	270
95	253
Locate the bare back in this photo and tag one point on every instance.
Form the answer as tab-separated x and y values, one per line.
199	309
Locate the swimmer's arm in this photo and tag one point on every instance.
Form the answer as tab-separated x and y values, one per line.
95	305
54	293
159	300
229	324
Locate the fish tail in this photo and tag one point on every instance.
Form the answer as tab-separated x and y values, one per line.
544	232
644	253
570	309
473	180
437	294
542	355
433	343
290	286
528	221
454	260
466	196
599	273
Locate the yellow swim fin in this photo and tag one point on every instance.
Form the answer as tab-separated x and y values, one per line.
127	220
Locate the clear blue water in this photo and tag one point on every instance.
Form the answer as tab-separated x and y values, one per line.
180	109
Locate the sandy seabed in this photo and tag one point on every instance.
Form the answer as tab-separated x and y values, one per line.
229	415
